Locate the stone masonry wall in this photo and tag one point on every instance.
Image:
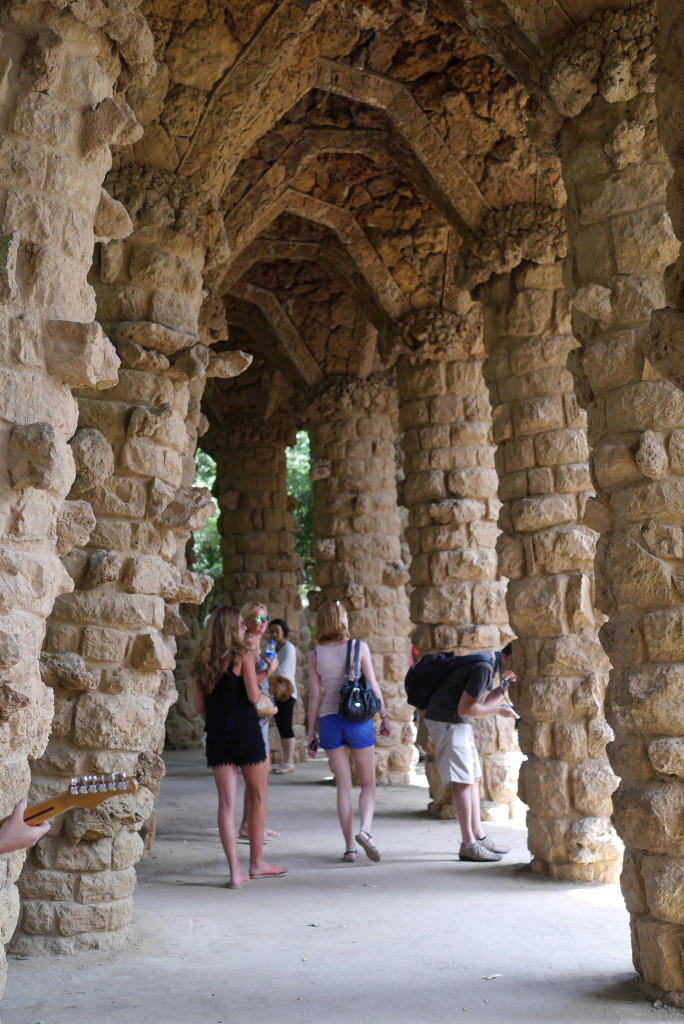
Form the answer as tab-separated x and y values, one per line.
457	596
621	240
57	76
110	644
257	530
358	548
547	553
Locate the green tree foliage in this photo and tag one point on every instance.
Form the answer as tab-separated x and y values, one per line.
206	541
299	486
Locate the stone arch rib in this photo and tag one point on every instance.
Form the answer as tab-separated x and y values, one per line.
282	327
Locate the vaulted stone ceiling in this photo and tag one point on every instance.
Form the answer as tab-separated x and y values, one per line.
350	150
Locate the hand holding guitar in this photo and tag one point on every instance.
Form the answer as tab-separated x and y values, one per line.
15	834
24	827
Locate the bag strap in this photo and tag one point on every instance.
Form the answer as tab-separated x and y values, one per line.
347	665
357	653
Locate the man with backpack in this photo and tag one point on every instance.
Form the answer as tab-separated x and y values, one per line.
466	692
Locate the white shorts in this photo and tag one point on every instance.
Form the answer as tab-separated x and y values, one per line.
456	755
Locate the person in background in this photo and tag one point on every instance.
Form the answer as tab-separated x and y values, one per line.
226	691
339	737
255	616
15	834
284	679
468	692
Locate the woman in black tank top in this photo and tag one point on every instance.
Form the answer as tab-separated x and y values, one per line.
226	690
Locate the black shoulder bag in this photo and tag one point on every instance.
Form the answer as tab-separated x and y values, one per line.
358	702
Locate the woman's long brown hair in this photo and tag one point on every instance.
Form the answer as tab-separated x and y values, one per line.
329	624
220	646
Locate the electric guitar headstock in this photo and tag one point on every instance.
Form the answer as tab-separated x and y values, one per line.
83	791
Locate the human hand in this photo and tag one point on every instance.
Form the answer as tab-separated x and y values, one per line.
312	748
15	834
385	727
273	664
507	711
509	676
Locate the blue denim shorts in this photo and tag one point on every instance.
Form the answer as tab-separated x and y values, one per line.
336	731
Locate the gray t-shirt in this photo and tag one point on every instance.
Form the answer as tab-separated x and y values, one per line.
474	678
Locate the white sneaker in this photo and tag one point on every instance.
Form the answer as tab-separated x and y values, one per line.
493	846
477	851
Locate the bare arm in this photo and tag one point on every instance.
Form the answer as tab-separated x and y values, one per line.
249	676
314	696
15	834
200	703
366	663
266	673
468	707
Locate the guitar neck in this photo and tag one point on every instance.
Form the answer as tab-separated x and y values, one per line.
87	791
47	809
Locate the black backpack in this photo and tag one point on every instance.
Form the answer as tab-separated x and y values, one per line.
423	678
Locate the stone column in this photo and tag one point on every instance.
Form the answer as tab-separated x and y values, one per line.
450	490
256	524
258	529
58	77
548	555
357	528
110	644
184	727
620	243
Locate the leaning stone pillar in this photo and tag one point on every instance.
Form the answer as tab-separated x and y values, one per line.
357	529
256	525
548	555
620	243
110	644
450	490
58	77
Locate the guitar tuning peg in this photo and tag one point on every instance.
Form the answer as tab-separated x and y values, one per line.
73	785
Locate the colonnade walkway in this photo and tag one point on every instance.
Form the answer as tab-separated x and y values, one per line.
419	937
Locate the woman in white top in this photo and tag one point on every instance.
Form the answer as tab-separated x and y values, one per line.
287	671
339	737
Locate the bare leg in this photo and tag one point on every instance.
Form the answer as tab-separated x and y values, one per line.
256	782
288	750
461	798
226	778
243	831
364	762
475	812
339	762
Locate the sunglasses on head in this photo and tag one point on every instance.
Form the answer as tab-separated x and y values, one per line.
260	618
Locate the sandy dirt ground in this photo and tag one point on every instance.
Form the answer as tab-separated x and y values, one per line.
419	937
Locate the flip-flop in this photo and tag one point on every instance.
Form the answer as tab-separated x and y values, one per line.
270	833
274	873
365	840
350	856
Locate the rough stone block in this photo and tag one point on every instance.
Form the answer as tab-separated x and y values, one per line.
546	787
80	355
150	652
103	886
593	783
115	722
107	608
648	816
93	457
101	643
536	606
